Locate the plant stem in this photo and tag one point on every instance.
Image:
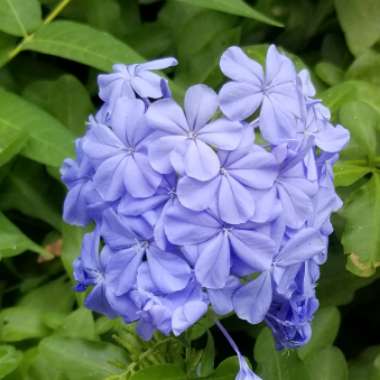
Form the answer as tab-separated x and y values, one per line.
49	18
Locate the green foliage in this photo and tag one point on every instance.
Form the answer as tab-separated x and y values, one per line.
50	54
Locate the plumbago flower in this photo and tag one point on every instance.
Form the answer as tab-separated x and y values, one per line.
191	214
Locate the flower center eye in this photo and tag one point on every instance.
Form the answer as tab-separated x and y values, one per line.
192	135
172	194
130	150
223	171
227	230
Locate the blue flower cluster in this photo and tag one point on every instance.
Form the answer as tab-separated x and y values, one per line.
223	203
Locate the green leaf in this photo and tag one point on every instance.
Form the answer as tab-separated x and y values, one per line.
227	370
72	243
28	189
79	324
235	7
360	23
327	364
366	366
329	73
361	119
19	17
65	98
277	365
13	241
82	43
40	298
333	272
11	142
49	141
20	323
345	174
361	236
325	328
365	67
206	365
10	358
76	359
159	372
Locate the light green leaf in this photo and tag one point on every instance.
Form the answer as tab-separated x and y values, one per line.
49	141
365	67
79	324
10	358
76	359
20	323
159	372
325	328
82	43
72	243
227	370
327	364
329	73
361	236
19	17
11	142
345	174
360	23
277	365
28	189
235	7
65	98
13	241
361	119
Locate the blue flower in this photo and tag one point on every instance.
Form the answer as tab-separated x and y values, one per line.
119	152
184	144
134	80
276	92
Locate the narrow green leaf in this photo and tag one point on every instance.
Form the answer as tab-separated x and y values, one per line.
277	365
49	141
206	365
325	328
10	358
11	142
82	43
65	98
235	7
159	372
72	242
345	174
13	241
361	236
360	23
19	17
327	364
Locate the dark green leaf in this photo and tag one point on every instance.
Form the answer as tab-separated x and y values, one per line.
235	7
9	360
277	365
28	189
361	236
366	366
227	370
159	372
360	22
19	17
325	328
13	241
11	142
65	98
49	141
327	364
